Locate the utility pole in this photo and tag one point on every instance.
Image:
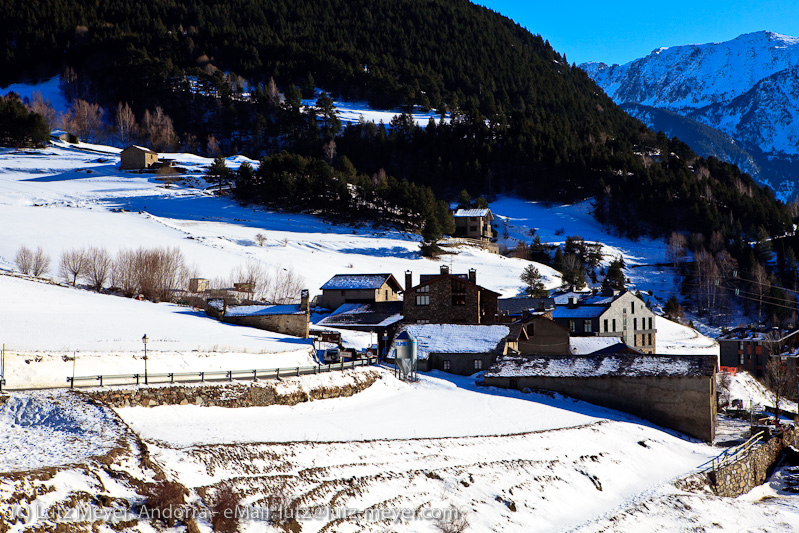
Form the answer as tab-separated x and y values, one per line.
144	340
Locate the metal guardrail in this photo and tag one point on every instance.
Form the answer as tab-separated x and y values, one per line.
214	375
731	455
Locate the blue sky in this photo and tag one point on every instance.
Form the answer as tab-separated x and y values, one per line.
620	31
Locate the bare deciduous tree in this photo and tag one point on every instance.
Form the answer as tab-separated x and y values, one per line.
260	239
98	267
87	119
779	380
760	286
126	123
676	248
453	521
41	263
24	260
159	130
72	264
44	108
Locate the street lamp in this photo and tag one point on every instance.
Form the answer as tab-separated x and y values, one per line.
144	340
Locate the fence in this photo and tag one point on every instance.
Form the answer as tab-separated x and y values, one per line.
731	455
215	375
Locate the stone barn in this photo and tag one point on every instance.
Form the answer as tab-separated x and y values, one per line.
674	391
137	158
289	319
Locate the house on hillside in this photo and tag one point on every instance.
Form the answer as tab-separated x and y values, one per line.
137	158
512	309
608	314
446	298
65	136
359	288
454	348
289	319
674	391
474	224
750	348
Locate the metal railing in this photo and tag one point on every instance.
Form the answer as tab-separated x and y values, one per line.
730	455
214	375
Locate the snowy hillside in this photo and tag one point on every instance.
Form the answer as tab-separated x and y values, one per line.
746	88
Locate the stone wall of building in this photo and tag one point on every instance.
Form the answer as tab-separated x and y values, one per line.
296	325
687	404
253	394
752	469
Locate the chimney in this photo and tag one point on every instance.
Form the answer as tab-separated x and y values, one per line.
304	300
473	275
408	280
444	269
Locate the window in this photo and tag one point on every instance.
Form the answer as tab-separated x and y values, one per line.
478	364
606	325
741	359
425	288
632	307
586	326
458	299
457	286
635	323
650	322
531	329
446	364
614	325
422	299
422	321
572	326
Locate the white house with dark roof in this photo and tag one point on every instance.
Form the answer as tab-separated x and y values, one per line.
359	288
617	314
474	224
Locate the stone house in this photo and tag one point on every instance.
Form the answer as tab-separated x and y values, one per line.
291	319
454	348
446	298
474	224
380	318
359	288
674	391
750	348
609	314
137	158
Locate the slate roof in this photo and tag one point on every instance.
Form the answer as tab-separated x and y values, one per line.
359	281
747	334
630	365
598	345
582	311
377	314
472	212
517	306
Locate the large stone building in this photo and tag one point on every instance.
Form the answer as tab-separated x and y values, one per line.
446	298
609	314
359	288
137	158
674	391
474	224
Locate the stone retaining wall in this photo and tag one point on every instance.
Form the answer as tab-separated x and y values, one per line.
253	394
751	470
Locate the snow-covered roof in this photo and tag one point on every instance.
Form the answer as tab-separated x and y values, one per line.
262	310
582	311
137	147
570	366
378	314
356	281
472	212
589	345
455	338
761	334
